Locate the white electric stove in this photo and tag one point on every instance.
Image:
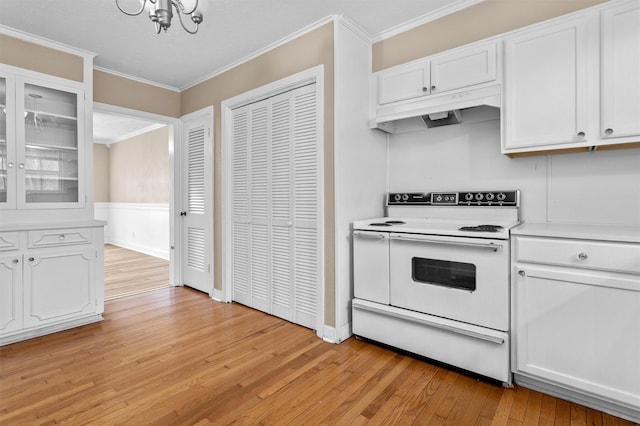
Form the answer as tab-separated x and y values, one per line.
432	277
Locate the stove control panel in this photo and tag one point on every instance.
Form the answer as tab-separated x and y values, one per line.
465	198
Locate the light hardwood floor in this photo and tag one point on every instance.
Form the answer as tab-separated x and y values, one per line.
129	272
174	356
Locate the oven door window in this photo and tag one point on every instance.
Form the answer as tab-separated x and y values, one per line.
444	273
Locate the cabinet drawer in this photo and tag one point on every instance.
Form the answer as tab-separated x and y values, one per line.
9	241
608	256
59	237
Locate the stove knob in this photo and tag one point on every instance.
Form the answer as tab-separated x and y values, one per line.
405	197
439	198
501	196
479	196
468	196
490	196
397	197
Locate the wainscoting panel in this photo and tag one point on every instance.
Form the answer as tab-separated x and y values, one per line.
139	227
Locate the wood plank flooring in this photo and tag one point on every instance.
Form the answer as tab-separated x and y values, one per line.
174	356
129	272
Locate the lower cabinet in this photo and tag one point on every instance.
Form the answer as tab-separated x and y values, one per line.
10	293
50	280
576	321
59	285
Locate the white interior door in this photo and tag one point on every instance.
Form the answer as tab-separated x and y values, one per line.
197	205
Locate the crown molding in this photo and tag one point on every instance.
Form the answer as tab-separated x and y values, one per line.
138	79
257	53
12	32
421	20
130	135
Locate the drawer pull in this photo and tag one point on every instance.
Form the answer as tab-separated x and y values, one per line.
583	256
522	273
62	237
31	259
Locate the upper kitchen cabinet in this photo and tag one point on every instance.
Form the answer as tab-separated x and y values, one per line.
404	82
441	73
545	87
412	90
620	71
574	83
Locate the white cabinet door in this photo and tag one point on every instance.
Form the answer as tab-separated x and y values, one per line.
10	292
621	70
464	68
545	77
579	329
405	82
59	284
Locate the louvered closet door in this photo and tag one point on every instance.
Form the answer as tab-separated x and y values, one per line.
282	283
240	258
259	206
275	205
197	204
306	269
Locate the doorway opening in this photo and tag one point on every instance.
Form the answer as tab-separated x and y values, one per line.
133	190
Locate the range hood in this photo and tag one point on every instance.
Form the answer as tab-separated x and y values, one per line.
440	110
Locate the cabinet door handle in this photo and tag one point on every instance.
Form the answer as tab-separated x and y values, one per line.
433	87
10	165
21	166
583	256
15	261
522	273
608	132
581	134
424	89
62	237
31	259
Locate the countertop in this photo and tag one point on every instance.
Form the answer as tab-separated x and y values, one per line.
51	225
630	234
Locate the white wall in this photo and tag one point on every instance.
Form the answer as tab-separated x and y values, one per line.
591	187
139	227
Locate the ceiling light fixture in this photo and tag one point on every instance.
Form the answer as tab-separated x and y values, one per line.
161	12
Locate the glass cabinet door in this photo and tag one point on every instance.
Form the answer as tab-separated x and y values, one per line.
48	171
7	143
3	141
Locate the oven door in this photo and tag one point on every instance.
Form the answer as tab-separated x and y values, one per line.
463	279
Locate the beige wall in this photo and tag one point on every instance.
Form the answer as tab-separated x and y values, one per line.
112	89
139	169
101	173
486	19
31	56
307	51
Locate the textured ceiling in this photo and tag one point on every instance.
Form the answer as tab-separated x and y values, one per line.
232	30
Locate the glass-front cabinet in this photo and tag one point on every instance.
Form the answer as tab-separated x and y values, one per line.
41	145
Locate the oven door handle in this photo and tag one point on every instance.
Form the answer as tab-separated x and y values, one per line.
419	239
